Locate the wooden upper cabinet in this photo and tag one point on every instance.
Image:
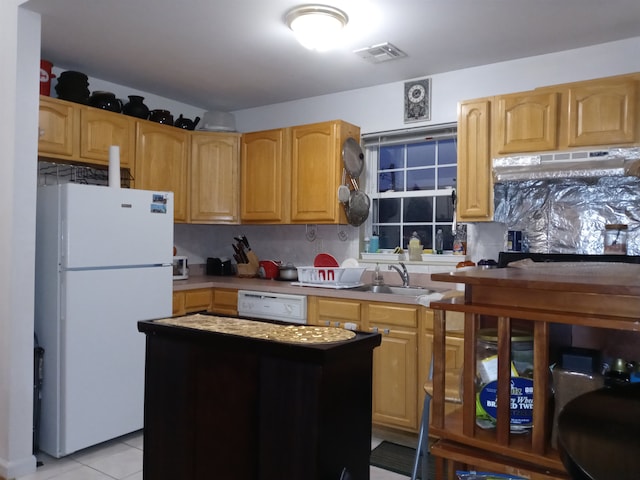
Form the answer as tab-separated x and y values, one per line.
316	171
474	183
526	122
214	178
162	163
603	112
58	127
265	176
99	129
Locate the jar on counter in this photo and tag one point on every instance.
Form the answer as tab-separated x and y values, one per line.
521	379
615	239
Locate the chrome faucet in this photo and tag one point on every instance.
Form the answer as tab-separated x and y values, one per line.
404	274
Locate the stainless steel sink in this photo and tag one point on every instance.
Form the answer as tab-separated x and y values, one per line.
394	290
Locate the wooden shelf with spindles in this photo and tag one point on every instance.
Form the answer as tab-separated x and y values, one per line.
608	300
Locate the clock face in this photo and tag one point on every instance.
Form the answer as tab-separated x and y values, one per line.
416	93
417	100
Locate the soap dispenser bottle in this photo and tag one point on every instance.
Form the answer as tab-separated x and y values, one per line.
415	248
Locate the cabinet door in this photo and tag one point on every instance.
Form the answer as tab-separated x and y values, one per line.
197	300
225	302
526	122
265	176
99	129
161	163
395	365
57	124
475	186
214	178
316	167
178	304
602	113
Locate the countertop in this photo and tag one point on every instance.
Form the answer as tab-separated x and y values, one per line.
278	286
588	277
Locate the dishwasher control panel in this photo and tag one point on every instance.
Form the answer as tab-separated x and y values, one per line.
272	306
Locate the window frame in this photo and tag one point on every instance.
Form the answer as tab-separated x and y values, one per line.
371	144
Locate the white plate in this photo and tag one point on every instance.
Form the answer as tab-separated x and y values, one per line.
350	263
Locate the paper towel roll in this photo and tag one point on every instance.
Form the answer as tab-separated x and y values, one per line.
114	166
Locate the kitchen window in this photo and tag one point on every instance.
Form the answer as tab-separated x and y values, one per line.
411	178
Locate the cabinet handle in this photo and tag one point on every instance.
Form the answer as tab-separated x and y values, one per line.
41	132
337	324
374	329
386	331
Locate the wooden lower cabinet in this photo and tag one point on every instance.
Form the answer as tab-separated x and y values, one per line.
225	302
191	301
395	364
401	363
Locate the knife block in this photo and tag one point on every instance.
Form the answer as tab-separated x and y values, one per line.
249	269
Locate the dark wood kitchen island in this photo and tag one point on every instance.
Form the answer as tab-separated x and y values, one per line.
225	399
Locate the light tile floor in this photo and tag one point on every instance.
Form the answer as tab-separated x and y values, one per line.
121	459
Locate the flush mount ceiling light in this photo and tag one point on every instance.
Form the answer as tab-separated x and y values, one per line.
317	27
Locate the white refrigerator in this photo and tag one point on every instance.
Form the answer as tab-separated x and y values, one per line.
103	262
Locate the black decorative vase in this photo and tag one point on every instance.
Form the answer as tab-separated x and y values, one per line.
135	108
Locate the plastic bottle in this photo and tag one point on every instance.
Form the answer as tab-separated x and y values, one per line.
366	245
439	243
374	243
415	248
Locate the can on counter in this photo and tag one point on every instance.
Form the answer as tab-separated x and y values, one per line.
521	380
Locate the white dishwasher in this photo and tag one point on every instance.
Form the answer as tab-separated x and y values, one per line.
272	306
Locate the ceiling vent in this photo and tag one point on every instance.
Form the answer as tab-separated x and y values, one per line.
382	52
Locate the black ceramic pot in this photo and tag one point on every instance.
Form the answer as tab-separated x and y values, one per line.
106	101
135	107
161	116
73	86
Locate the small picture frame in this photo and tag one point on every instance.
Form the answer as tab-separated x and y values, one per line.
417	100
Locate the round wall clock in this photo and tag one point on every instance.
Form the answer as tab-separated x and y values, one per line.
417	100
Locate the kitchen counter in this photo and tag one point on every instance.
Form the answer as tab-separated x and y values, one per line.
277	286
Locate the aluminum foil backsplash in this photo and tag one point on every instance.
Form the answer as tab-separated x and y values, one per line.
565	211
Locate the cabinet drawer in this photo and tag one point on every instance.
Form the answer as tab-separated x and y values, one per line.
197	300
342	309
392	314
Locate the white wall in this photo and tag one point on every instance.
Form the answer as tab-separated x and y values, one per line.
380	108
19	78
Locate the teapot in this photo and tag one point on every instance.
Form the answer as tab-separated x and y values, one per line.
161	116
185	123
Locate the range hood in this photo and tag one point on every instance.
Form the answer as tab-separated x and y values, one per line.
618	162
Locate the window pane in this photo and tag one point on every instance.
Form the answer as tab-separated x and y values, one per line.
447	152
423	179
444	209
421	154
389	236
418	209
447	177
392	181
388	210
391	157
